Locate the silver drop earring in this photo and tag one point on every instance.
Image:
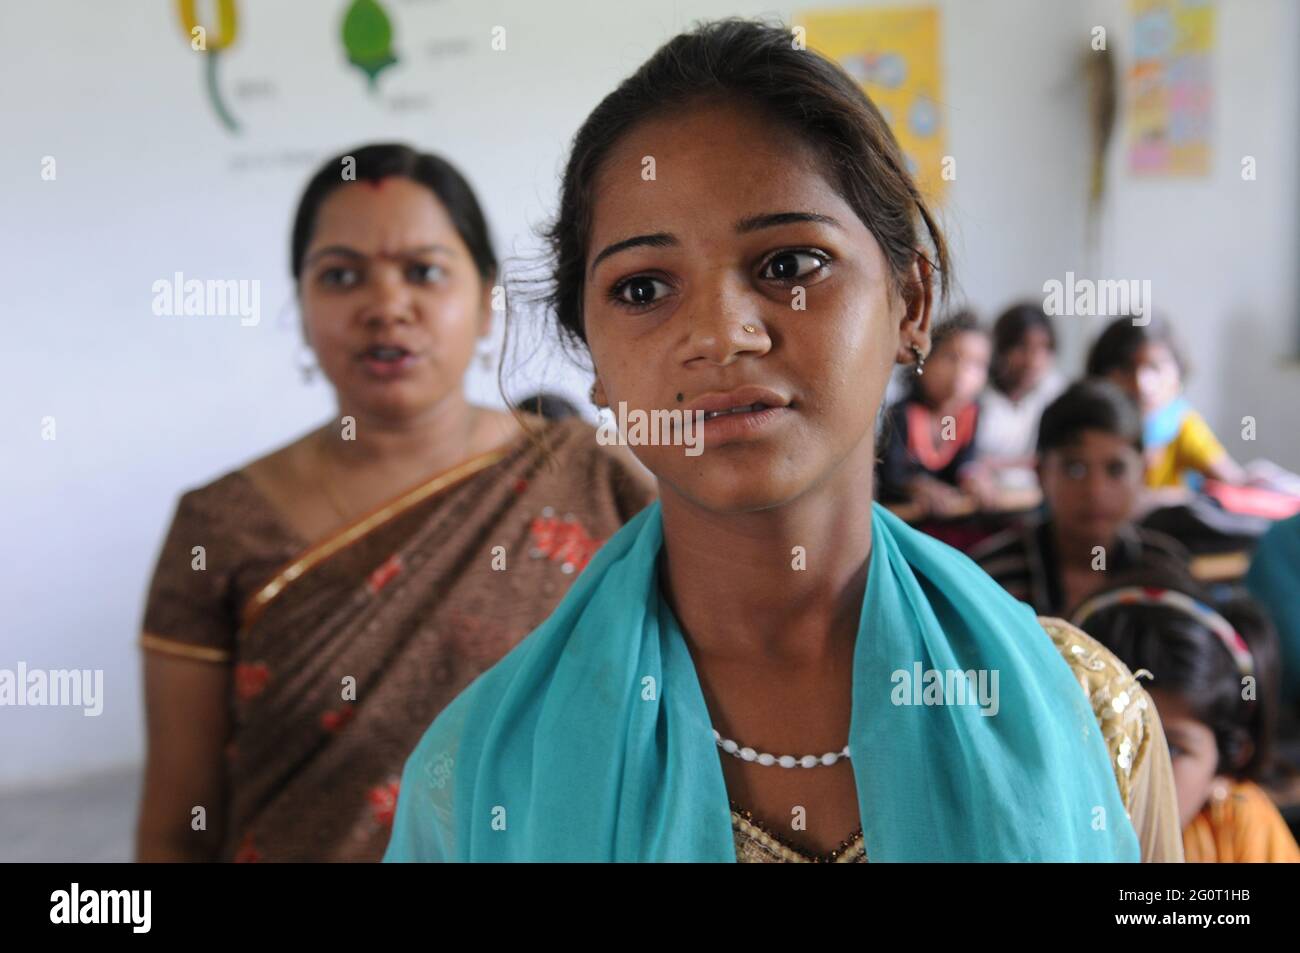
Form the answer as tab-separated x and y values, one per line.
920	360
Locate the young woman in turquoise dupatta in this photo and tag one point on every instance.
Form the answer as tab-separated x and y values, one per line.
592	740
769	266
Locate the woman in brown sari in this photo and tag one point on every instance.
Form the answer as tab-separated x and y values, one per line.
305	605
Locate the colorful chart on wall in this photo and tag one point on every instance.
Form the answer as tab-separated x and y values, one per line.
365	32
1169	87
211	41
368	38
893	53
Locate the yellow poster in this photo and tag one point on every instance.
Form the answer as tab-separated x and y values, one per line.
1169	87
893	53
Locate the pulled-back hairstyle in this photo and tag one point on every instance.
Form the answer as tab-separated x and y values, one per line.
755	63
375	162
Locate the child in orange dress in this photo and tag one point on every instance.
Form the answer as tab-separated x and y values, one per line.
1214	683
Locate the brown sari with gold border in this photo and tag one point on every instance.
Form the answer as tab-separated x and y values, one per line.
343	652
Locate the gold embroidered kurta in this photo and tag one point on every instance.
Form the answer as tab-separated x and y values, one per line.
1127	720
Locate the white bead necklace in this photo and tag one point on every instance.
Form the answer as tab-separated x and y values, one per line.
784	761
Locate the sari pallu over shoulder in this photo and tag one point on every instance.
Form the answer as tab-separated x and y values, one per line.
348	652
367	525
320	683
591	740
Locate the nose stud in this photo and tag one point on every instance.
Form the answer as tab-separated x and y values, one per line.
750	328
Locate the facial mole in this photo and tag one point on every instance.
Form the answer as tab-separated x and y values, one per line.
679	398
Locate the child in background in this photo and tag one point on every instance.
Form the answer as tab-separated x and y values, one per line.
1143	360
1024	381
928	437
1090	467
1214	686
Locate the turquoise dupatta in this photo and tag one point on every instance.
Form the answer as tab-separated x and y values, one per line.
591	740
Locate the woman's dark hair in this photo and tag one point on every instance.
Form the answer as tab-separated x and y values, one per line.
1089	404
1009	331
1187	659
1118	345
374	162
959	322
548	406
756	63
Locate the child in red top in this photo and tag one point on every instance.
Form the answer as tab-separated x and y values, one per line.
928	438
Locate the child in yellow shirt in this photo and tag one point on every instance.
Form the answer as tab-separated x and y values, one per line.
1143	360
